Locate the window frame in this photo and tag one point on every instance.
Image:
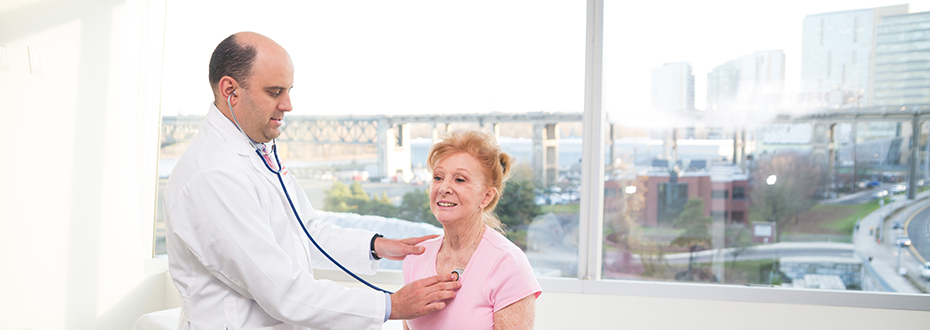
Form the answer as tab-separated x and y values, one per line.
590	258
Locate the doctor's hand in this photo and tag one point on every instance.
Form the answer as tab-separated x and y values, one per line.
397	249
423	296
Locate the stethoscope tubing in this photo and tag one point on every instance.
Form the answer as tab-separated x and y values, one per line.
274	150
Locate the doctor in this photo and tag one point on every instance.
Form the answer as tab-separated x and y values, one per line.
235	250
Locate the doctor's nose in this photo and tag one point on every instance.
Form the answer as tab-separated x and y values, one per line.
285	104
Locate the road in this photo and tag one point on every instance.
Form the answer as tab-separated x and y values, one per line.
861	196
917	228
771	251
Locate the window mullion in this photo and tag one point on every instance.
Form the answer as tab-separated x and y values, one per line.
590	230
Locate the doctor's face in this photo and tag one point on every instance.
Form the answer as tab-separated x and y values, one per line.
263	104
458	191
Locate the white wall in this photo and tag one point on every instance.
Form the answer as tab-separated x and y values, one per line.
78	184
559	310
78	177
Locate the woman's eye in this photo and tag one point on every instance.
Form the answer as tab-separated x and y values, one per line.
459	180
436	178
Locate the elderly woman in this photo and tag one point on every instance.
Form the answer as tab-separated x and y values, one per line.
498	290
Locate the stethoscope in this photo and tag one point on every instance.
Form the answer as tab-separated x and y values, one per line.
277	172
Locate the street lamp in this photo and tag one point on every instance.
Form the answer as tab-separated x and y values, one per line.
771	179
629	190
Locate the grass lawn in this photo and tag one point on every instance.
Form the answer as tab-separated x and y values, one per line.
829	219
565	208
745	272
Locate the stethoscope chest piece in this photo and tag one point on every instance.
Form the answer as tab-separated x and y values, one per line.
458	273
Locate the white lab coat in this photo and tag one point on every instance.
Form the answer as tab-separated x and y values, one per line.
238	256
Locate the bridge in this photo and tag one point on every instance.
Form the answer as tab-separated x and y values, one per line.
391	135
824	125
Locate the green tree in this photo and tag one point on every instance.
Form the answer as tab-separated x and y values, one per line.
739	241
695	223
517	205
336	197
354	199
696	236
414	206
379	206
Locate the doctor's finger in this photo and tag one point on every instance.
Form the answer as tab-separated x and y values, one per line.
434	307
446	286
428	281
439	295
418	240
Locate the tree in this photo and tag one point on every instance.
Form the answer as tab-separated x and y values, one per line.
354	199
517	205
622	208
414	206
796	181
336	197
696	236
379	206
739	241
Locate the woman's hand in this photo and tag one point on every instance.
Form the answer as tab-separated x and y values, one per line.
397	249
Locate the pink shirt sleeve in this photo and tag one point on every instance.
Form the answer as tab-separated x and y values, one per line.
511	279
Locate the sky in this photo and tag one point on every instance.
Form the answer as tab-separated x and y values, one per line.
422	57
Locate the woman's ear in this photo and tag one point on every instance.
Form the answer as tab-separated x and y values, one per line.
488	196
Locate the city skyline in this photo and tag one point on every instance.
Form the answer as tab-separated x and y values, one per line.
412	59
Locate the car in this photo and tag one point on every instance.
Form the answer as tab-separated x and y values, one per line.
897	225
902	241
925	271
898	188
875	183
880	194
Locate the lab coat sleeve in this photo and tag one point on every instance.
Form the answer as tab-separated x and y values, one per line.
349	246
227	230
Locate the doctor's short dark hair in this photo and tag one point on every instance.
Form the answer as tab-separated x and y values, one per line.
230	58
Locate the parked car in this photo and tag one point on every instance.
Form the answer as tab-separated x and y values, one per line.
898	188
902	241
897	225
879	194
925	271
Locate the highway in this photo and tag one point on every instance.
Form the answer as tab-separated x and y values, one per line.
917	228
770	251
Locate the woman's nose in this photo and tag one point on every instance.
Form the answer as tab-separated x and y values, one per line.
444	188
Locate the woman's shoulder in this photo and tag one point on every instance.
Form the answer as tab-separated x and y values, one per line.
501	246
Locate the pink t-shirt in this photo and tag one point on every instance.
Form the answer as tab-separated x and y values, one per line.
497	275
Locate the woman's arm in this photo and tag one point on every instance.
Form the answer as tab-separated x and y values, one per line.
519	315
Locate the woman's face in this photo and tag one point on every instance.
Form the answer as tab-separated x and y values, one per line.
458	190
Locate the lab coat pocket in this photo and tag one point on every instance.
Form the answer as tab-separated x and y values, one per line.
229	307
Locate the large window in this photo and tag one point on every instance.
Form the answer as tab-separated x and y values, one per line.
710	98
700	102
375	84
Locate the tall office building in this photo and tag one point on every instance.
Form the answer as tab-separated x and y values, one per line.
838	55
902	60
673	87
750	81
